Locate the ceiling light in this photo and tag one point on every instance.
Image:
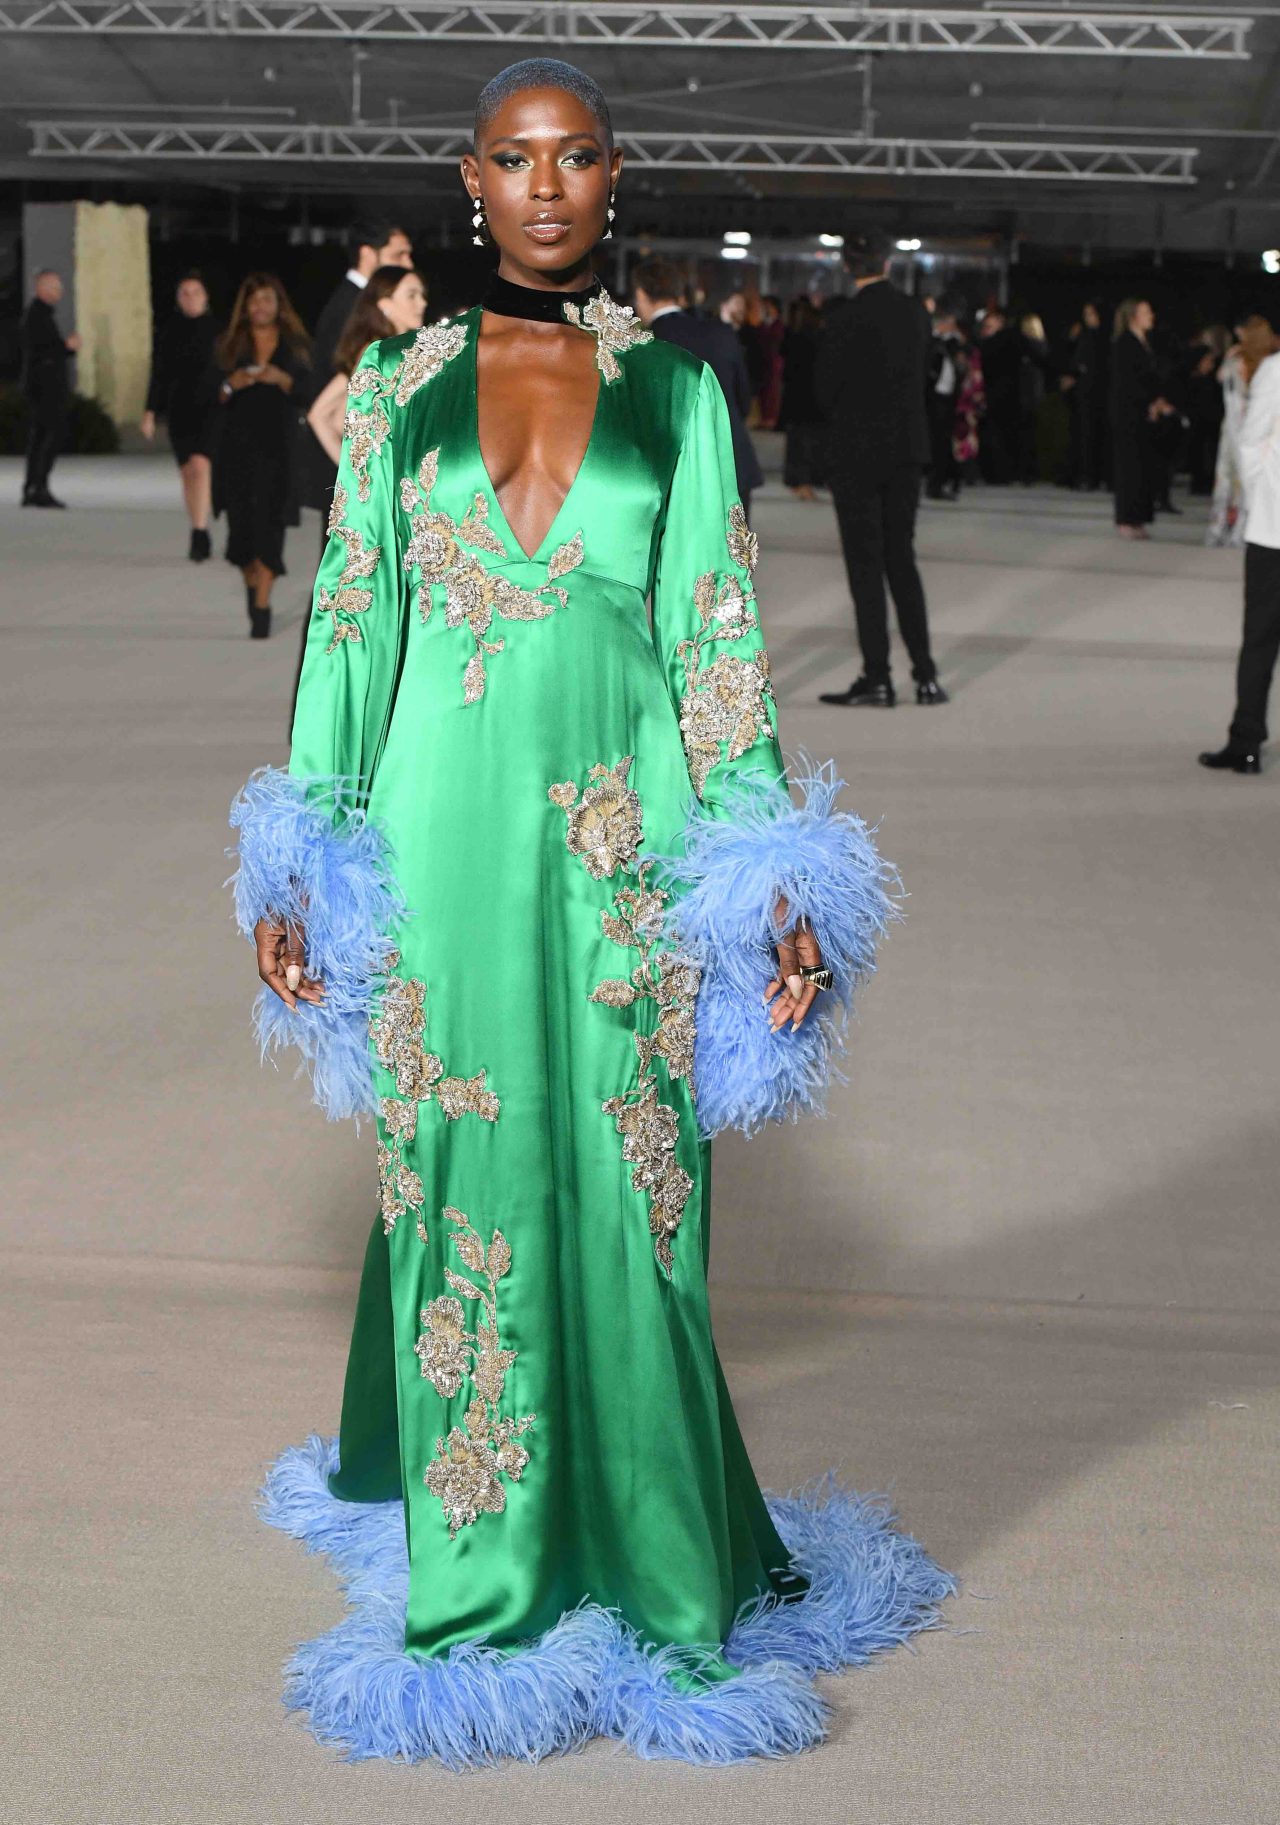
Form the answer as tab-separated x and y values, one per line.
737	237
1271	260
910	246
733	253
830	240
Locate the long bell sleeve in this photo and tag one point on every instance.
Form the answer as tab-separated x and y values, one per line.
306	849
746	845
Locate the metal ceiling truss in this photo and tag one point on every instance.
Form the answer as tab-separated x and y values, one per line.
221	143
686	24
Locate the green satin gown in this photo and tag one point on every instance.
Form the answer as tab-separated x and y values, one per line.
532	1368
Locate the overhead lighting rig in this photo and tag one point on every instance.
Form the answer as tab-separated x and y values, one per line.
682	24
218	142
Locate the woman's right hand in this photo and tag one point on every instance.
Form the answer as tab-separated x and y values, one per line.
282	952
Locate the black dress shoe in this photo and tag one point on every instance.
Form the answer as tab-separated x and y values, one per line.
862	693
1233	760
200	547
45	499
931	693
259	623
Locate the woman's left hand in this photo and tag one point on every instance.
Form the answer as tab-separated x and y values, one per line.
797	950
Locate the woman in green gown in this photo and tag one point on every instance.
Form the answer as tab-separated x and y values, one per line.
521	896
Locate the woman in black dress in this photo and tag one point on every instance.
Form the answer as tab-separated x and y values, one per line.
264	354
184	392
1136	403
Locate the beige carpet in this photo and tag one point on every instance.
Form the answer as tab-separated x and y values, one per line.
1024	1278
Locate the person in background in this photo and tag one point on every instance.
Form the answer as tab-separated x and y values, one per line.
46	387
971	407
871	382
1033	360
1205	405
1255	341
1259	450
1084	381
1001	345
943	377
265	358
184	392
799	416
392	303
657	286
770	335
1135	405
1168	422
372	244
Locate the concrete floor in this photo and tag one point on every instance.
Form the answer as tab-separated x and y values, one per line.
1024	1277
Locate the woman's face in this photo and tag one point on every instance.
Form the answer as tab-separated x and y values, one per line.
263	307
1144	318
193	299
545	171
1091	317
406	306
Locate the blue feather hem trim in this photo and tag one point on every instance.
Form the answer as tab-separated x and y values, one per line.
307	854
870	1587
728	871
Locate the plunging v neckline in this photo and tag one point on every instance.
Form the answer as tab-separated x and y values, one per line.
530	557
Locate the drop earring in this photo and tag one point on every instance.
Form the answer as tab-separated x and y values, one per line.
608	223
480	223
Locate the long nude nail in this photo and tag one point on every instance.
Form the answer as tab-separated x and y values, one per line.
293	976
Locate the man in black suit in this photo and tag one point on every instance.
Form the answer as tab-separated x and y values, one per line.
46	387
658	286
871	386
371	245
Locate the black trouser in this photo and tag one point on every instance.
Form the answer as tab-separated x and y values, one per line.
877	520
1259	646
48	426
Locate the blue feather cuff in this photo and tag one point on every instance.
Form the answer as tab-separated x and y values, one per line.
729	872
306	853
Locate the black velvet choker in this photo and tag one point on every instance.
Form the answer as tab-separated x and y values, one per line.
508	300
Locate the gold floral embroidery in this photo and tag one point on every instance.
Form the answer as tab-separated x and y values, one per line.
397	1033
615	327
473	594
368	429
728	700
604	830
348	599
465	1473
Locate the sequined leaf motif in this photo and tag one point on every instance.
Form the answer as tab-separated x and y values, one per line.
473	679
619	930
614	994
565	558
476	530
462	1285
466	1473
